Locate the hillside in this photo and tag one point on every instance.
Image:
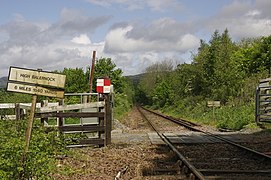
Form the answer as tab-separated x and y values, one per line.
135	78
3	82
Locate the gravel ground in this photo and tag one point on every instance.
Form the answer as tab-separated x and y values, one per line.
132	152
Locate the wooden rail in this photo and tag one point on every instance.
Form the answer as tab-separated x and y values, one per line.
59	110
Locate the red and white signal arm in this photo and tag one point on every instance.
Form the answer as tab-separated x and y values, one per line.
103	86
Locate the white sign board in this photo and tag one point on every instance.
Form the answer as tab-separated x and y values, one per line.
32	89
37	77
213	103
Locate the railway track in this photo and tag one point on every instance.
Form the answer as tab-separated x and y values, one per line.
218	159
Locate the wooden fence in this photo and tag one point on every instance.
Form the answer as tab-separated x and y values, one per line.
97	133
263	102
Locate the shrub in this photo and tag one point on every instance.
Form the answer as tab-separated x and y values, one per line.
40	159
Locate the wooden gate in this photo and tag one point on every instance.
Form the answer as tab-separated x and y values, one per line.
263	101
82	134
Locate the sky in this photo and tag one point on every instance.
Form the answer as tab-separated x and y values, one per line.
57	34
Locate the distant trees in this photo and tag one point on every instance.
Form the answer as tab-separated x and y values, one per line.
154	83
78	81
220	70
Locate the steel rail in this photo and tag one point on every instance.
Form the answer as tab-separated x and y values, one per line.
181	122
192	168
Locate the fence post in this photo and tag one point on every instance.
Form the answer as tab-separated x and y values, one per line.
101	119
18	115
60	120
44	103
108	119
257	106
17	111
29	128
85	99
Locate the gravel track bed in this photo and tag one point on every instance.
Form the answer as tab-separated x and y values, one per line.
163	124
132	148
223	156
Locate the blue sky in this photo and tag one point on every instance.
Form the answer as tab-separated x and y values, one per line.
53	34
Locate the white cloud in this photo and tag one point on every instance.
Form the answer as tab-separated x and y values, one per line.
136	62
82	39
138	45
64	43
53	56
188	41
130	4
253	13
242	19
117	41
131	45
133	50
162	36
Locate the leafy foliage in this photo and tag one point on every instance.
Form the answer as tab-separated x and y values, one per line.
10	97
221	70
45	146
40	159
123	88
255	56
105	67
76	80
152	82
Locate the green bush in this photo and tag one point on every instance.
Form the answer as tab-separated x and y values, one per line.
122	105
40	159
235	118
226	117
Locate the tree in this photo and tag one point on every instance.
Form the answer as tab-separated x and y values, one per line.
201	84
106	68
254	56
154	75
265	50
77	80
216	69
226	74
162	94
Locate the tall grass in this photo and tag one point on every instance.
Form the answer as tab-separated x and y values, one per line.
225	117
122	104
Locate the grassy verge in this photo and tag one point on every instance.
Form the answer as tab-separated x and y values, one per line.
225	117
122	105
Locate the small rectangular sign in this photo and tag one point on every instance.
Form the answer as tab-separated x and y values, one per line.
37	77
32	89
213	103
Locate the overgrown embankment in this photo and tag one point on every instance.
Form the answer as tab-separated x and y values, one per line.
221	70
